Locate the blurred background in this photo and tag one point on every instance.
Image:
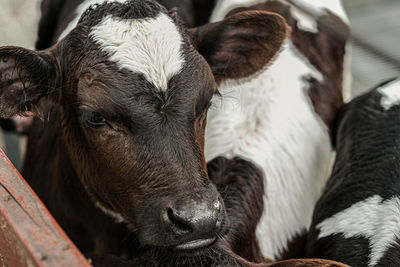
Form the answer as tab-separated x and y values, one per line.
377	22
19	21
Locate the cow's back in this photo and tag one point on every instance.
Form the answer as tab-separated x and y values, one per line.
357	218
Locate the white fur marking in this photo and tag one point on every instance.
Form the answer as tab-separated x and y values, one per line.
373	218
116	216
150	46
79	11
304	22
390	94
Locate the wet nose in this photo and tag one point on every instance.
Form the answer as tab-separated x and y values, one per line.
194	223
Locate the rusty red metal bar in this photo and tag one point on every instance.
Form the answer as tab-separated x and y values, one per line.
29	235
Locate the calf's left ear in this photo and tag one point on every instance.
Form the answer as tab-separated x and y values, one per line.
242	44
25	77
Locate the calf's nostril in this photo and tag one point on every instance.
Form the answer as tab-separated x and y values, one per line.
192	222
179	223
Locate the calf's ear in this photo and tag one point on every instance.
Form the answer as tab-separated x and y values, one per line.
242	44
25	77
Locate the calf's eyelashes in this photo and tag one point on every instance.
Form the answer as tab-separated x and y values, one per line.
93	119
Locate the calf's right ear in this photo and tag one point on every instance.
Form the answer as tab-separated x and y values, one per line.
25	77
242	44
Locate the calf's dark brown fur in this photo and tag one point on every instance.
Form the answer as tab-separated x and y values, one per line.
118	161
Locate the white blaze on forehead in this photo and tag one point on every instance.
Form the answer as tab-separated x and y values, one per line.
373	218
390	94
79	11
150	46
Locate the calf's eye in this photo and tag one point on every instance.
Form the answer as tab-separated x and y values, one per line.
93	119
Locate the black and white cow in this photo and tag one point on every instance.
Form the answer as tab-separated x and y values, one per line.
357	219
269	122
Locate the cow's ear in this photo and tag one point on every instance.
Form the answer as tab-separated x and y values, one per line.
242	44
25	77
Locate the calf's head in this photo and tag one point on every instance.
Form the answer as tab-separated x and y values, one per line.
132	87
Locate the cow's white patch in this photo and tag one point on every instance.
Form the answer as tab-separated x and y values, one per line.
116	216
305	22
390	94
150	46
318	7
269	121
373	218
79	11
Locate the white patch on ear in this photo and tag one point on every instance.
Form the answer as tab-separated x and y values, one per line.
79	11
372	218
150	46
116	216
390	94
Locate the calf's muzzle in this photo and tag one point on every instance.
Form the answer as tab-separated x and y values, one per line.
185	221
